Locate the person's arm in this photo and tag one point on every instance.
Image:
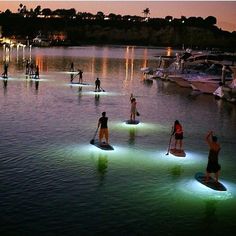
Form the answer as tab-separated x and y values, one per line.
99	122
208	137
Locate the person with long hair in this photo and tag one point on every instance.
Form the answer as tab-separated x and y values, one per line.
178	133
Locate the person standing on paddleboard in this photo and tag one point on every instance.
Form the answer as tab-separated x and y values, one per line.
212	165
178	132
133	109
97	85
102	123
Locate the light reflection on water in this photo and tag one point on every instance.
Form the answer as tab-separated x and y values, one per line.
51	175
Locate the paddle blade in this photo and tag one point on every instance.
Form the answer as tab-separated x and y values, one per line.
92	141
137	113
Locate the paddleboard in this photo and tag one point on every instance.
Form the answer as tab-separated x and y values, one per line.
132	122
79	83
103	146
177	152
200	177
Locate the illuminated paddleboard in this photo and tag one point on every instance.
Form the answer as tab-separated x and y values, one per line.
79	83
200	177
132	122
177	152
103	146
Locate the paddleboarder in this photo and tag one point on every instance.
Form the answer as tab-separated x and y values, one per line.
72	69
97	85
36	76
80	73
214	149
102	123
178	132
133	109
5	70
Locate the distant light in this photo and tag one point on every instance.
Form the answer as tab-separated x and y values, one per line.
170	20
182	21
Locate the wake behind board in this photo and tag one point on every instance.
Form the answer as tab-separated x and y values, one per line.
177	152
103	146
132	122
200	177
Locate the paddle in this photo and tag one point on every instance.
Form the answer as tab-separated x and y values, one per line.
137	113
92	140
102	89
169	141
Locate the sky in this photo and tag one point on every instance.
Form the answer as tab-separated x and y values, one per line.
224	11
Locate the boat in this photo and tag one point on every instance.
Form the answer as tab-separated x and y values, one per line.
180	80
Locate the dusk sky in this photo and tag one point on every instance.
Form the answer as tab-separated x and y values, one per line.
224	11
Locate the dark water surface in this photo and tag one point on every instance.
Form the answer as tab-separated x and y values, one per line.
53	182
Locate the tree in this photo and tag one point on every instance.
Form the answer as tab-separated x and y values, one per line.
100	15
37	10
210	20
146	12
47	11
169	18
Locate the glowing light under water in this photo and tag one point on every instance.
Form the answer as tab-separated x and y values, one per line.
196	189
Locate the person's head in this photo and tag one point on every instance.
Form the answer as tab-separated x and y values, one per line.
214	139
176	122
133	100
104	114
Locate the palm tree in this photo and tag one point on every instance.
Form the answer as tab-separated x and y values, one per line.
146	12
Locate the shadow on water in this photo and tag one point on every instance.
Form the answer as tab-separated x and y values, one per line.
36	86
210	218
5	81
97	99
132	133
176	171
79	94
102	167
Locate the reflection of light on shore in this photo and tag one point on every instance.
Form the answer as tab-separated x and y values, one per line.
104	62
145	58
39	62
132	64
196	189
129	63
169	51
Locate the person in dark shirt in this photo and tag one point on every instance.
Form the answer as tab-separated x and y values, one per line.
72	69
178	132
36	72
214	149
80	76
102	123
5	70
97	85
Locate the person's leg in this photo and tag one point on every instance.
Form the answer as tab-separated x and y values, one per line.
106	136
175	143
208	175
100	135
217	176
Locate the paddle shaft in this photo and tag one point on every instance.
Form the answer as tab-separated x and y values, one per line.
169	142
92	140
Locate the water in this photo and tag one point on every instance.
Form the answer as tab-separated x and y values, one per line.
53	182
